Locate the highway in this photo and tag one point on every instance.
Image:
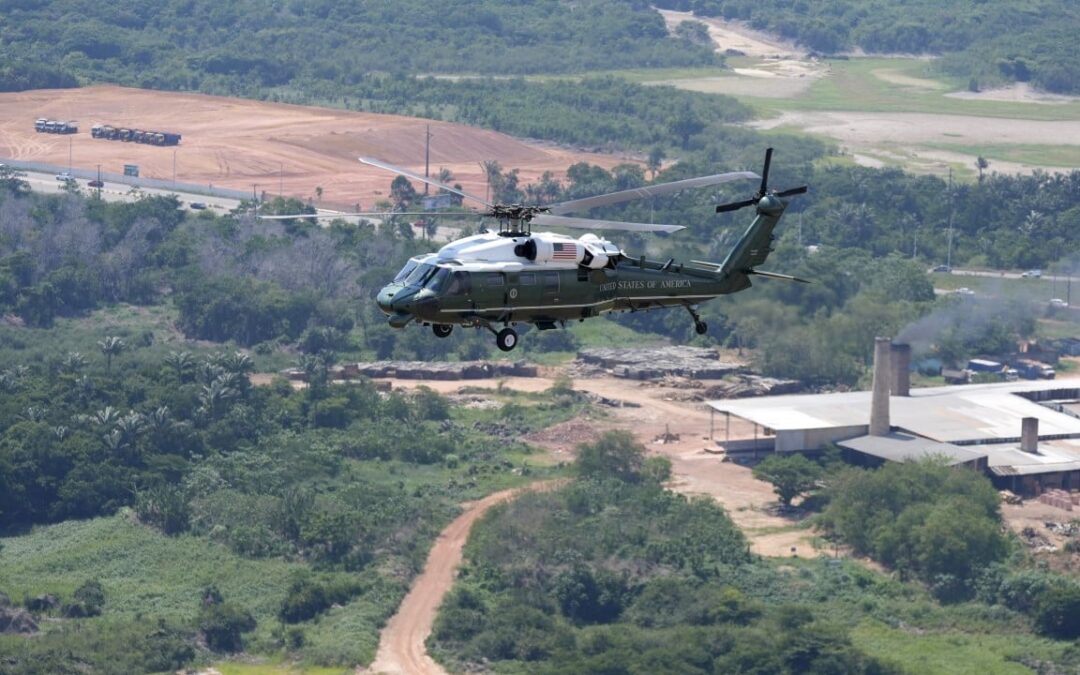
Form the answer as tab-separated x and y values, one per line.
1009	275
121	192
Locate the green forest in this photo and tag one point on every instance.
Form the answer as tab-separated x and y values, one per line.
246	45
614	574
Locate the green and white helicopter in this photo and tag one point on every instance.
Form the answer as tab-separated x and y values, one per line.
497	280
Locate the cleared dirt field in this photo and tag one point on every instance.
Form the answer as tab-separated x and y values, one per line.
239	144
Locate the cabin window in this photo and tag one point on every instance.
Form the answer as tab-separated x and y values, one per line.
527	279
459	284
494	279
551	281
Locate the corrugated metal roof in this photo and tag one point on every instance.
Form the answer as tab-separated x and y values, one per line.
956	414
902	447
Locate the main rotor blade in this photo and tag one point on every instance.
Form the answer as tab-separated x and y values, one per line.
590	224
765	172
801	190
649	191
375	214
735	206
422	179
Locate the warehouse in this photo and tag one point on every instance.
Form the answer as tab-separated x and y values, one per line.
1023	434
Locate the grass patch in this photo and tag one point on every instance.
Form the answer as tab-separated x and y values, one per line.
860	85
274	668
147	576
954	653
1066	156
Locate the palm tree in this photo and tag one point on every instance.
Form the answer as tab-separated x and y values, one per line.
493	173
237	363
214	396
110	347
73	363
182	364
106	416
114	441
130	425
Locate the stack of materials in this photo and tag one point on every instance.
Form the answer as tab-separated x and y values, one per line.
656	362
1059	498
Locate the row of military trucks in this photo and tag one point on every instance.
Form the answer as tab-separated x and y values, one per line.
112	133
44	125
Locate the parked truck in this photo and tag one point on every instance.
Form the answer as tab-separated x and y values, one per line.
1033	370
44	125
144	136
986	367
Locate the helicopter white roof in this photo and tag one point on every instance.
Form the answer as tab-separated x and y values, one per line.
492	252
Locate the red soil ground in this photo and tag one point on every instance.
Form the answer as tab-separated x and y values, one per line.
236	143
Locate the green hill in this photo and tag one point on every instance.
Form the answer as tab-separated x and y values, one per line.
989	41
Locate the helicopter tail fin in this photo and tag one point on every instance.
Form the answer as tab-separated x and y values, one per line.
757	242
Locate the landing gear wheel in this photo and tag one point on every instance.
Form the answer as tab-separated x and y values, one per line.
506	339
441	329
701	327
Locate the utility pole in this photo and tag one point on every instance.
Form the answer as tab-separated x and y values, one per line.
174	168
427	156
948	255
281	180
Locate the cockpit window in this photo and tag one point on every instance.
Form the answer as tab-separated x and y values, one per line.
419	275
409	267
438	280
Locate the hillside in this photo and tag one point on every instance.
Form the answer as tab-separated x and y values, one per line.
248	44
989	41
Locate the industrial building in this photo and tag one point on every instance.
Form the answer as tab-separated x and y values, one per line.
1025	435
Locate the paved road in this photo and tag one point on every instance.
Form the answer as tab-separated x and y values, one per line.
1008	275
120	192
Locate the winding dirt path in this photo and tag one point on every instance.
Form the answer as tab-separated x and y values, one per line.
401	645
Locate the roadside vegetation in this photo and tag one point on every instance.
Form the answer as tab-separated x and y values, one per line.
613	573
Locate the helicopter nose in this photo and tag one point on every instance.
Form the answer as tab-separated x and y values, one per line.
385	300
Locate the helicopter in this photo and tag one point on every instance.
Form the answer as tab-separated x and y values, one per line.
517	276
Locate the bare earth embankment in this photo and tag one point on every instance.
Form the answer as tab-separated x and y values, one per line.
241	144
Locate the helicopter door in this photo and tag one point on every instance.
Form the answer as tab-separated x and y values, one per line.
523	290
549	282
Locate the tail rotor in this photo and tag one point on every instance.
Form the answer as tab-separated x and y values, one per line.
763	191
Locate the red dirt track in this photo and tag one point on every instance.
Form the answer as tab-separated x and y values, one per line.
236	143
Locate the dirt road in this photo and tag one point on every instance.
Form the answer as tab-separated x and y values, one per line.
401	645
695	471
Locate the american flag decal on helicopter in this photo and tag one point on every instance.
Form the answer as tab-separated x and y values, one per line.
564	252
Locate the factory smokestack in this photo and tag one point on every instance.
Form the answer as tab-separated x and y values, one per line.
1029	435
879	401
901	370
